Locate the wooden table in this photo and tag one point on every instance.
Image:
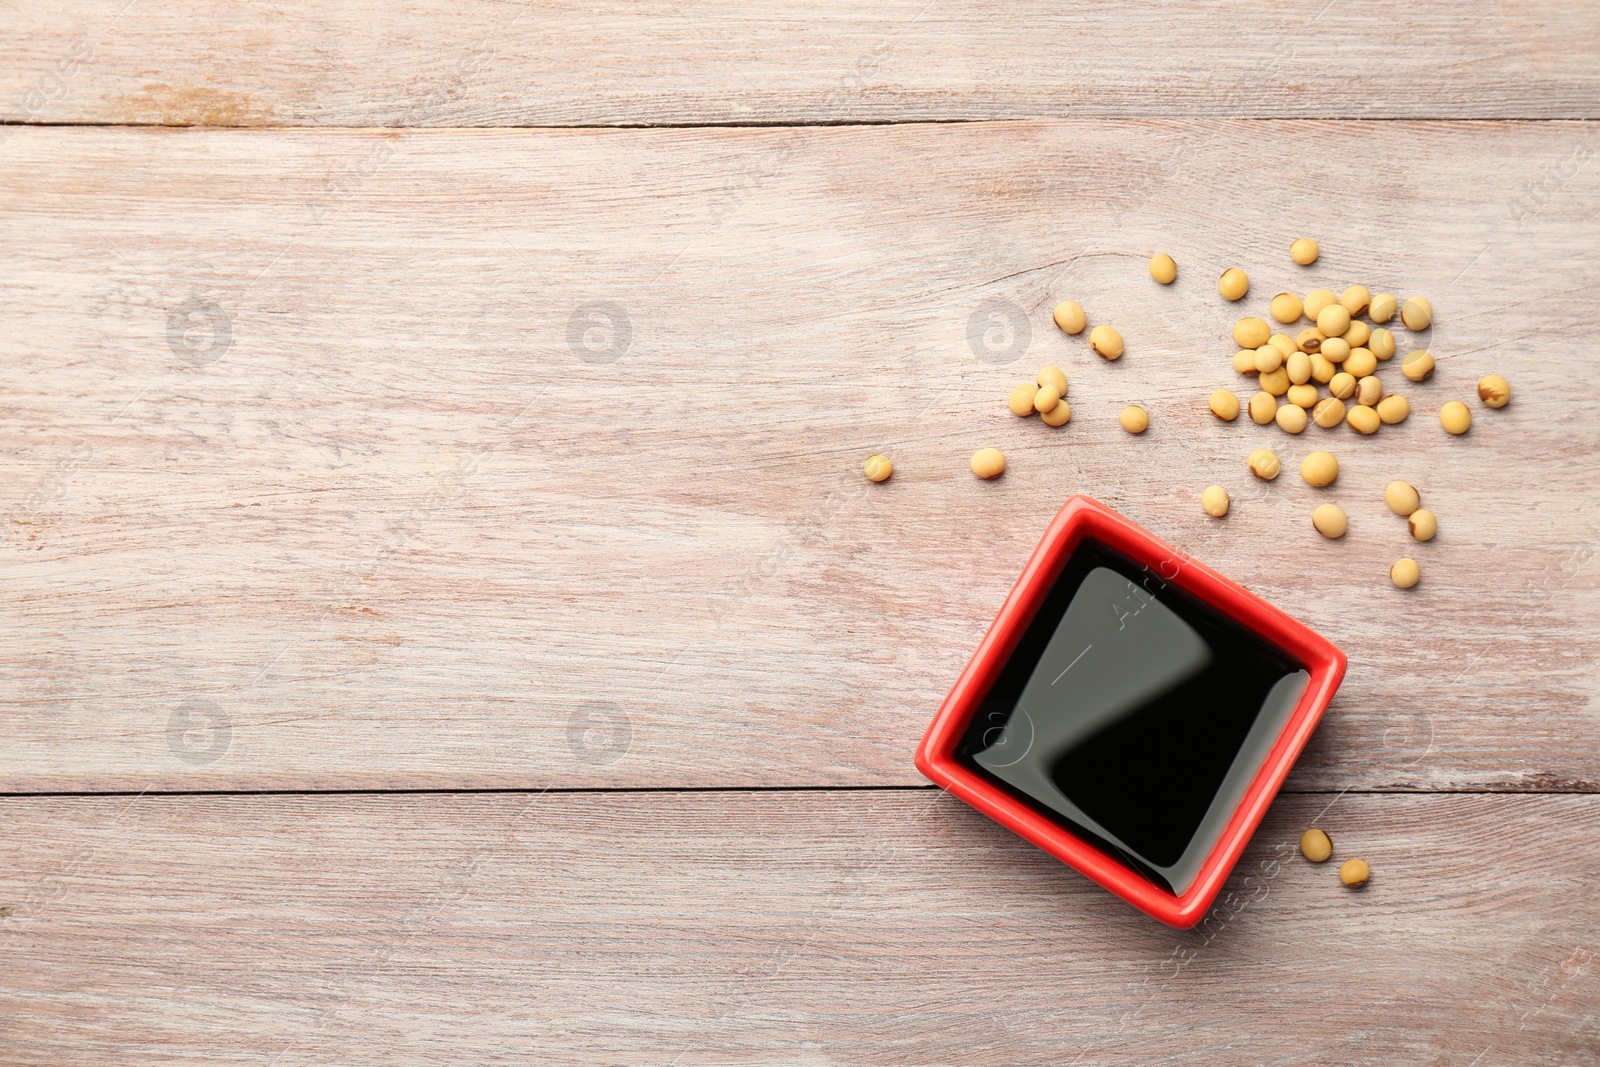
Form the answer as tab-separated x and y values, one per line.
445	620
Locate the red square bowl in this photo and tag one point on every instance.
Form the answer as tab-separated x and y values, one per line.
1086	529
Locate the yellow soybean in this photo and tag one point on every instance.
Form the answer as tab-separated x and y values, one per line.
1233	284
1263	406
1059	415
1319	468
988	462
1360	362
1224	405
1069	316
1394	408
1333	320
1417	313
1455	417
1304	251
1299	367
1290	418
1330	521
1106	341
1316	300
1417	365
1328	413
1363	419
1215	501
1355	299
1286	307
1251	332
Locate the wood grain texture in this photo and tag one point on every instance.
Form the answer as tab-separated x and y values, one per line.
496	63
857	928
405	530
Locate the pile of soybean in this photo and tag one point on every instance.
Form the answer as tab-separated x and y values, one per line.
1340	353
1326	374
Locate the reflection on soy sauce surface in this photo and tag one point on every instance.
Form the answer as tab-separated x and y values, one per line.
1134	715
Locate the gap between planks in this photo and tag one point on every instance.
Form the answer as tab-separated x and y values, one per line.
824	124
716	789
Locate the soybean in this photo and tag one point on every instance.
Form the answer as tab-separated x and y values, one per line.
1251	332
1343	385
1244	361
1268	358
1310	340
1319	468
1224	405
1275	382
1333	320
1316	301
1264	464
1455	417
1021	399
1069	316
1358	333
1059	415
1163	269
1417	314
1363	419
1046	399
1423	524
1394	408
1330	521
1328	413
1322	368
1404	572
1285	344
1355	299
1354	872
1053	376
1106	341
1303	396
1304	251
1360	362
1417	365
1263	406
1494	391
1335	350
1382	308
1298	365
1369	391
1316	846
1135	419
877	468
1286	307
1402	498
988	462
1381	344
1215	501
1291	418
1233	284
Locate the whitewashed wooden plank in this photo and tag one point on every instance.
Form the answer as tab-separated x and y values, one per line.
492	63
844	928
402	533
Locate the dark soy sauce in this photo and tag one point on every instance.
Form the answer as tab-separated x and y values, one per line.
1134	715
